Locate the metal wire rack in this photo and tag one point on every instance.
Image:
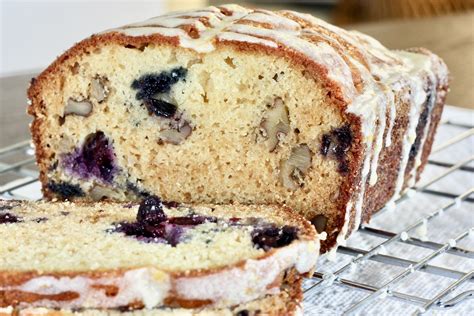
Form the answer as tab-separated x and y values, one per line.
447	286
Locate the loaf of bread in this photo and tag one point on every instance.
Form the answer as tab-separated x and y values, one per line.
109	255
228	104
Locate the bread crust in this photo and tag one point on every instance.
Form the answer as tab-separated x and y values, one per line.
15	298
287	302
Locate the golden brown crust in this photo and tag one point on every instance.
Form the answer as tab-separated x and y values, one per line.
377	196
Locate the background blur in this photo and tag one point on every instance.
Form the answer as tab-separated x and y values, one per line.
33	33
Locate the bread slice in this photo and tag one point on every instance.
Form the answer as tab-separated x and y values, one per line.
230	104
152	255
287	302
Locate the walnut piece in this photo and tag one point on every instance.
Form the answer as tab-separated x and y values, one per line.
81	108
319	222
98	90
275	125
176	136
99	193
293	170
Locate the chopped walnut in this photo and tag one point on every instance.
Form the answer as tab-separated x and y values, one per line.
275	125
176	136
98	89
319	222
81	108
293	170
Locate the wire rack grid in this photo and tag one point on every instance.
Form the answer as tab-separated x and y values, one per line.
415	257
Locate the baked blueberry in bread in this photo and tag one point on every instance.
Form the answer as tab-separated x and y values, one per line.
230	104
152	255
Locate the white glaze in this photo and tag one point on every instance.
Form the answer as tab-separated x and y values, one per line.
277	21
151	286
251	281
231	36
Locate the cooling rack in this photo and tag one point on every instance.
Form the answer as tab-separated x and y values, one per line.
415	257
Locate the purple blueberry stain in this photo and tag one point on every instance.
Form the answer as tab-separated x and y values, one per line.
152	225
94	159
192	220
271	236
160	108
174	233
150	86
158	233
8	218
336	144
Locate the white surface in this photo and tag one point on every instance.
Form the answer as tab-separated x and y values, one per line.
33	33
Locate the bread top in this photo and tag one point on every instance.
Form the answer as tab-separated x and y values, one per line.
75	237
350	62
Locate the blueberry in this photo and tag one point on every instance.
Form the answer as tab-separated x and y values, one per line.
160	108
270	236
65	190
174	234
147	233
336	144
422	121
94	159
98	156
151	211
7	218
149	85
192	220
243	312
